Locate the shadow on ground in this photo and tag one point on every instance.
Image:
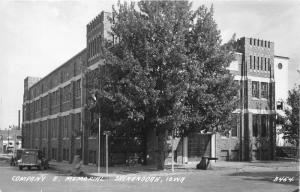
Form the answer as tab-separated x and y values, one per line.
270	176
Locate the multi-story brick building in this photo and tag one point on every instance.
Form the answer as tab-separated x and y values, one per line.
53	108
56	121
253	133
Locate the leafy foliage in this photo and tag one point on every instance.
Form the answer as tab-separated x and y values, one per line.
290	128
166	71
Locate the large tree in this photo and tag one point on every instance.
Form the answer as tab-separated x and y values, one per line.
166	71
290	128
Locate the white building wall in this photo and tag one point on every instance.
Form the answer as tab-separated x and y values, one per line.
281	78
281	91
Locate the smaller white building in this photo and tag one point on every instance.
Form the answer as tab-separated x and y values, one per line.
281	74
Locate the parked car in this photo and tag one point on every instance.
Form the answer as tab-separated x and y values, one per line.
33	158
16	156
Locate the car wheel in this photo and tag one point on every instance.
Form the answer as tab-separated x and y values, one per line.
20	167
28	167
39	167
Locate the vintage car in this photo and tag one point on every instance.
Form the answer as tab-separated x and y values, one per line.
33	158
16	156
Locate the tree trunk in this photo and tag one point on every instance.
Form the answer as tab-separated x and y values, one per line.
161	151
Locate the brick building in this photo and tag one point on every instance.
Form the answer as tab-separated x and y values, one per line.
253	133
53	107
56	121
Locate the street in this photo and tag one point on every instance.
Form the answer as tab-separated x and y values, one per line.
257	178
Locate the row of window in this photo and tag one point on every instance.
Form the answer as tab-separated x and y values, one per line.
60	77
261	90
54	124
260	124
43	103
261	43
94	47
65	153
260	63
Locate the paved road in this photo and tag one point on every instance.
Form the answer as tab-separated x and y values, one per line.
254	179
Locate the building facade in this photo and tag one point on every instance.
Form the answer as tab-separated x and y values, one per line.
56	120
253	135
281	65
253	132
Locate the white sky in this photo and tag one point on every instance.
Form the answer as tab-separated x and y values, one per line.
38	36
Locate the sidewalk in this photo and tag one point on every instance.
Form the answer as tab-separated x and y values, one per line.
228	166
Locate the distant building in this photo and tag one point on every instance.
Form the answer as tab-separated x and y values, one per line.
10	140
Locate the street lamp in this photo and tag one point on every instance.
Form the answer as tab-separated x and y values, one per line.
93	97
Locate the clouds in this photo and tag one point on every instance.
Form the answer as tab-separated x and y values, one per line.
277	21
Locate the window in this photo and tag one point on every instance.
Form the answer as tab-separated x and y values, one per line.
66	93
66	154
262	43
264	123
92	157
77	124
262	63
257	63
279	65
250	41
254	41
269	64
265	43
234	125
255	123
265	64
255	89
78	88
269	44
57	97
54	130
254	62
279	105
54	153
250	61
67	126
264	90
257	42
63	123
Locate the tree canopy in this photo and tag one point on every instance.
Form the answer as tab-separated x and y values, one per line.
290	128
166	70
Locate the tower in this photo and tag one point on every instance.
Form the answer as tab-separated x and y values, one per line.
257	128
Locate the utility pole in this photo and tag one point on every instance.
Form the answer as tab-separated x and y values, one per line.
99	154
7	138
106	133
172	148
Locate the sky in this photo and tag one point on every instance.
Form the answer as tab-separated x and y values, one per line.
38	36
